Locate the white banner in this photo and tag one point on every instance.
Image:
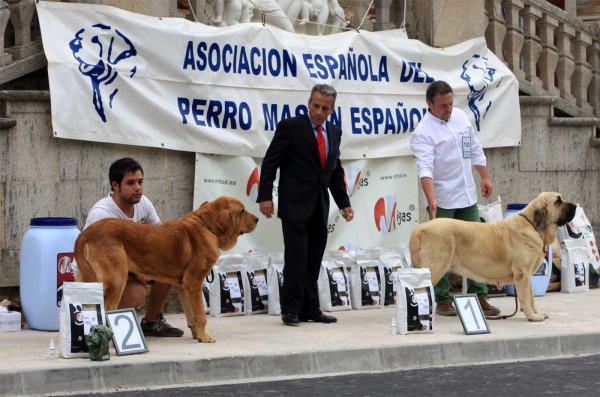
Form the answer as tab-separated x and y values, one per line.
126	78
383	194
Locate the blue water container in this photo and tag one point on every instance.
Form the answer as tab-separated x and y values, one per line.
47	253
541	278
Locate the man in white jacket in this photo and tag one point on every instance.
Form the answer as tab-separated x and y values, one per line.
446	149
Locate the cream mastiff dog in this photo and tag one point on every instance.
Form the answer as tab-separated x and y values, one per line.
503	252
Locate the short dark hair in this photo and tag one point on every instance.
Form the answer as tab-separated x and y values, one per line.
324	89
119	168
438	87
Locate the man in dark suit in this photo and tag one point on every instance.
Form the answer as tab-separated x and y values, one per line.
306	151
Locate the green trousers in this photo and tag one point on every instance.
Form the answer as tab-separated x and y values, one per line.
442	288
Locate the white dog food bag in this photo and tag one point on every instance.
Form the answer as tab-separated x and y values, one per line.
391	261
81	308
416	302
275	283
206	291
227	287
575	269
334	294
366	289
349	257
255	277
491	212
581	229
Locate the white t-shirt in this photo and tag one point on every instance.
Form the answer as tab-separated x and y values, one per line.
143	212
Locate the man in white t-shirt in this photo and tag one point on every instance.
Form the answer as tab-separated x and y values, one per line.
126	201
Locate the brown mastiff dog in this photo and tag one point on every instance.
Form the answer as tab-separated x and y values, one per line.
180	253
503	252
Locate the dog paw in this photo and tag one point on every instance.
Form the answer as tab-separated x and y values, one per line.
544	314
537	317
206	339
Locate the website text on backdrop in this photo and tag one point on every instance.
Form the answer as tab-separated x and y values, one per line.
445	147
305	149
502	252
127	201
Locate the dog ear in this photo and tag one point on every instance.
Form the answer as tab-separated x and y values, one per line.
539	218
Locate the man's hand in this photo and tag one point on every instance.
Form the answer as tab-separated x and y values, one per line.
433	210
486	187
348	213
266	208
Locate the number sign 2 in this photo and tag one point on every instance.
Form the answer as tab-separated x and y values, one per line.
471	315
128	337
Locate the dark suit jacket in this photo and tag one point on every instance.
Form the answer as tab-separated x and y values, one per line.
295	152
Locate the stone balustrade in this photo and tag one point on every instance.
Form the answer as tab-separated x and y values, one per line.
550	51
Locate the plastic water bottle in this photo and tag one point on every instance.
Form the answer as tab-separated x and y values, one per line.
52	349
394	329
46	263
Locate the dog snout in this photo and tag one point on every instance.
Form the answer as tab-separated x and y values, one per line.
567	215
255	220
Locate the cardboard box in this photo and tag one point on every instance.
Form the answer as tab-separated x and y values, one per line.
10	321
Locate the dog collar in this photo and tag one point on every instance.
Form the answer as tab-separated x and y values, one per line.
208	227
531	223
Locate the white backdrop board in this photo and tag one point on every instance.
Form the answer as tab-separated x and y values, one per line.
383	194
121	77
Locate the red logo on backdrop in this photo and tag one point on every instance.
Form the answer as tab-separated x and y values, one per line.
253	185
385	212
64	273
349	247
352	178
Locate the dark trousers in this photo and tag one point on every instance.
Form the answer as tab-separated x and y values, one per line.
304	247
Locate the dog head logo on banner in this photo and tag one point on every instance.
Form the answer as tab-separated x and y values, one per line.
385	214
478	76
98	50
351	178
253	185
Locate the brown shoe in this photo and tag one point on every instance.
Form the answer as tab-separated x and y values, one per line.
446	309
488	309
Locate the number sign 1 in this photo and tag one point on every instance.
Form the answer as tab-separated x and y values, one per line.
128	337
471	315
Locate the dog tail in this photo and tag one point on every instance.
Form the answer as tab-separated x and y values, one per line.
83	270
414	245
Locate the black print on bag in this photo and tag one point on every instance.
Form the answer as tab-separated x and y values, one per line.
338	287
206	292
579	274
419	313
82	318
371	284
259	292
391	276
280	279
232	292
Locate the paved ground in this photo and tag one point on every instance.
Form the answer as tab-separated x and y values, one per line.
552	377
254	347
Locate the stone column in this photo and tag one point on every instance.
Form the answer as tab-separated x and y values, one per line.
566	61
549	56
594	87
21	15
457	21
495	32
513	43
5	58
583	73
382	15
532	47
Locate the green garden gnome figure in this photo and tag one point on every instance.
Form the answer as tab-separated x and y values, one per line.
97	342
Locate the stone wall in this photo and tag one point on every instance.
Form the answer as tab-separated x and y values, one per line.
45	176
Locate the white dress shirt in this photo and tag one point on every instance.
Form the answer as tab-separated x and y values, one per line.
437	145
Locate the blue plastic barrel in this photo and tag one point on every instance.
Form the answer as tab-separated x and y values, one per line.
46	263
541	278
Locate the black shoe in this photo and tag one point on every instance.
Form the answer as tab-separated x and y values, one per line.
290	319
321	318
